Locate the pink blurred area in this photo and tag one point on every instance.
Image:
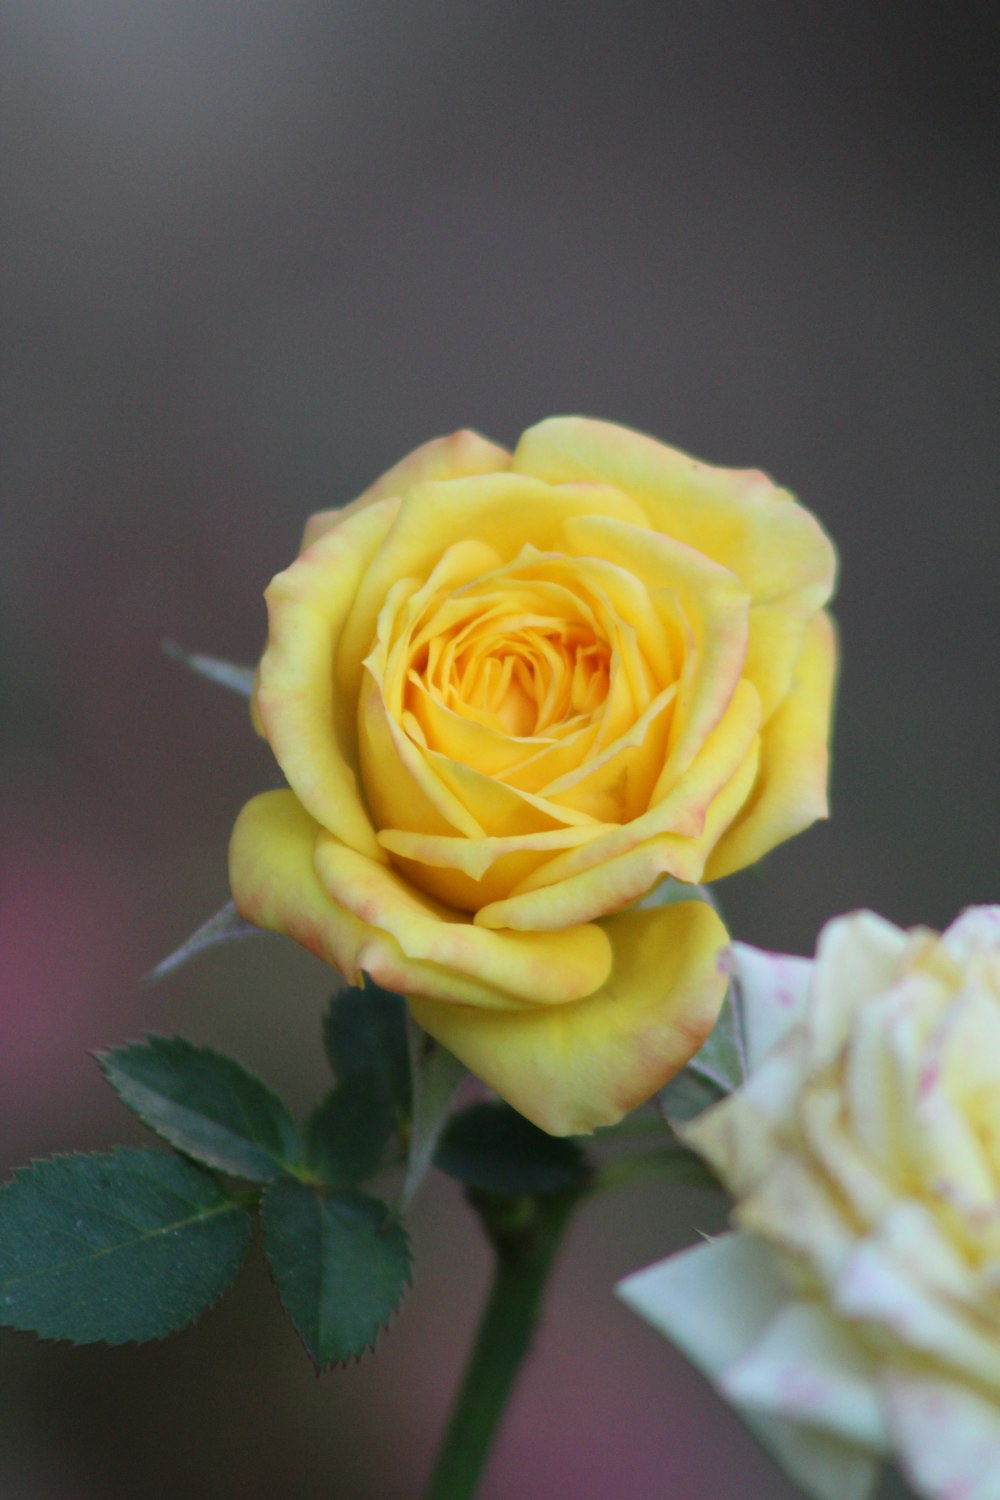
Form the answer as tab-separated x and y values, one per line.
252	255
68	935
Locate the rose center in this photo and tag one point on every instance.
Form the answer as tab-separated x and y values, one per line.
522	674
534	679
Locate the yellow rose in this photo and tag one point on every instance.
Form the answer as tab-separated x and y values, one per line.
856	1313
510	693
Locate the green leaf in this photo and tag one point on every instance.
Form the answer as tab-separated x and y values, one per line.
346	1135
686	1095
130	1245
206	1105
721	1059
341	1264
365	1029
227	674
491	1147
227	926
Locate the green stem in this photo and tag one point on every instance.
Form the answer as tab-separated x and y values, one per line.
526	1233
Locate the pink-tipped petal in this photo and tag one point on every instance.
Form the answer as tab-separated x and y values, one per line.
571	1068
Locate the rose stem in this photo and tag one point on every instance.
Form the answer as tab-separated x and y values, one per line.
525	1233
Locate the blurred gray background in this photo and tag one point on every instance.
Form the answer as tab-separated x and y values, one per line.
252	254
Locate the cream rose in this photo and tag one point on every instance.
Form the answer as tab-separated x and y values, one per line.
510	693
856	1313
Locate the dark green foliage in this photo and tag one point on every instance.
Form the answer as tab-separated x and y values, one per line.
347	1134
131	1245
687	1094
341	1263
493	1148
722	1056
365	1029
206	1105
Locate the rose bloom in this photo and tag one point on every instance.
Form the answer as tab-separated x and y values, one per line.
510	692
856	1313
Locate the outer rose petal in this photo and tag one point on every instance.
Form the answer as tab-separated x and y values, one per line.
808	1367
977	928
738	517
790	792
774	988
451	457
571	1068
948	1438
309	726
543	968
275	885
773	651
715	1301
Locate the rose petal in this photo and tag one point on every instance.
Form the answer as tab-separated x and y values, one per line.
275	886
501	510
401	779
976	930
617	882
776	637
774	988
866	1190
794	1207
948	1437
571	1068
882	1070
736	516
460	454
857	957
911	1234
741	1137
791	785
958	1162
614	785
543	968
471	873
876	1286
694	814
309	726
715	609
808	1367
715	1301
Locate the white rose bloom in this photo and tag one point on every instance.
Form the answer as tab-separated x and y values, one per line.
854	1314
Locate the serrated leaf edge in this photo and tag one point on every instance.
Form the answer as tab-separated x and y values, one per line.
383	1327
154	1338
284	1168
